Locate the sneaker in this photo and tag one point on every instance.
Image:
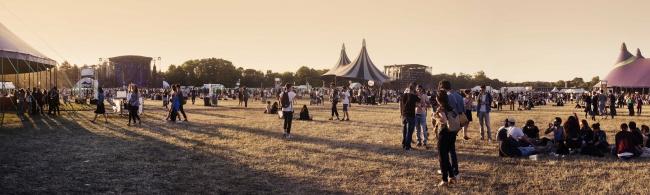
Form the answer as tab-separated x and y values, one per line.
443	184
439	172
348	119
419	144
466	138
330	118
289	136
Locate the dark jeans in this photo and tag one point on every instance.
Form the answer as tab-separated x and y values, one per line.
334	110
180	109
407	131
133	114
447	149
288	117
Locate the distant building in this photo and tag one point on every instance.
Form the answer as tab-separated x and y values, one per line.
402	74
131	69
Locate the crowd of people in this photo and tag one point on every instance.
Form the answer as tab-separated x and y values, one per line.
35	101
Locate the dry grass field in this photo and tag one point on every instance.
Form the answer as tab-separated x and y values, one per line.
232	150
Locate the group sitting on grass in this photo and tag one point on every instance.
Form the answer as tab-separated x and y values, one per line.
572	137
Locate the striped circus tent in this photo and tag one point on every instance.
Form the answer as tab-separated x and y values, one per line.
362	69
343	60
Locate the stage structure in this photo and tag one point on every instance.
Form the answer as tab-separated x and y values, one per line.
131	69
403	74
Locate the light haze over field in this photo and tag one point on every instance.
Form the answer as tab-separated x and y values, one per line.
510	40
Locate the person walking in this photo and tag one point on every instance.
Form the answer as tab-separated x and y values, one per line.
484	101
334	97
345	95
100	106
286	101
407	107
175	104
183	100
450	105
421	117
612	104
134	105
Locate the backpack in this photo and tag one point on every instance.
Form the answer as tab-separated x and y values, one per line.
284	100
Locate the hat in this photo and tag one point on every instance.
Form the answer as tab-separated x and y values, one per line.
510	119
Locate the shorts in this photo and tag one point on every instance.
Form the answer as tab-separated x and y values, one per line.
345	107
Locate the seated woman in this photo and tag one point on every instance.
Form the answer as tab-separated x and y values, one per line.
572	134
531	130
274	108
304	114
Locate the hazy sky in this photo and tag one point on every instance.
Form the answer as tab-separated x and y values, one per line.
511	40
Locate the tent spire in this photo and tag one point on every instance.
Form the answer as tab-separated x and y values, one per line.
364	43
624	55
638	53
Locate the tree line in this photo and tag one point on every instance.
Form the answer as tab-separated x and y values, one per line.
197	72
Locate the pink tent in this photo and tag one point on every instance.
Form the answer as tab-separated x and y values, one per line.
630	71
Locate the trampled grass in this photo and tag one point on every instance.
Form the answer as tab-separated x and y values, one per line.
229	149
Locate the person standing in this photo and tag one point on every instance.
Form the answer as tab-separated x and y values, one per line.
334	97
639	104
511	100
602	102
54	102
100	106
421	117
38	96
193	96
134	105
286	101
246	96
345	95
612	104
630	104
468	102
446	138
484	101
407	108
20	102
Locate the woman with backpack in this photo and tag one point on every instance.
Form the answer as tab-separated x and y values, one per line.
134	105
286	101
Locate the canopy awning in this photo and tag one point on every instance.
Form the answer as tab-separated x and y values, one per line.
16	56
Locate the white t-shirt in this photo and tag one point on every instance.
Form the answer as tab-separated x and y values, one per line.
346	97
291	96
483	99
515	132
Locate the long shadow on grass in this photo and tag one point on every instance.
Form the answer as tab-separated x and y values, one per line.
76	162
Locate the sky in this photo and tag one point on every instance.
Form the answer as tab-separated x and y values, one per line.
511	40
